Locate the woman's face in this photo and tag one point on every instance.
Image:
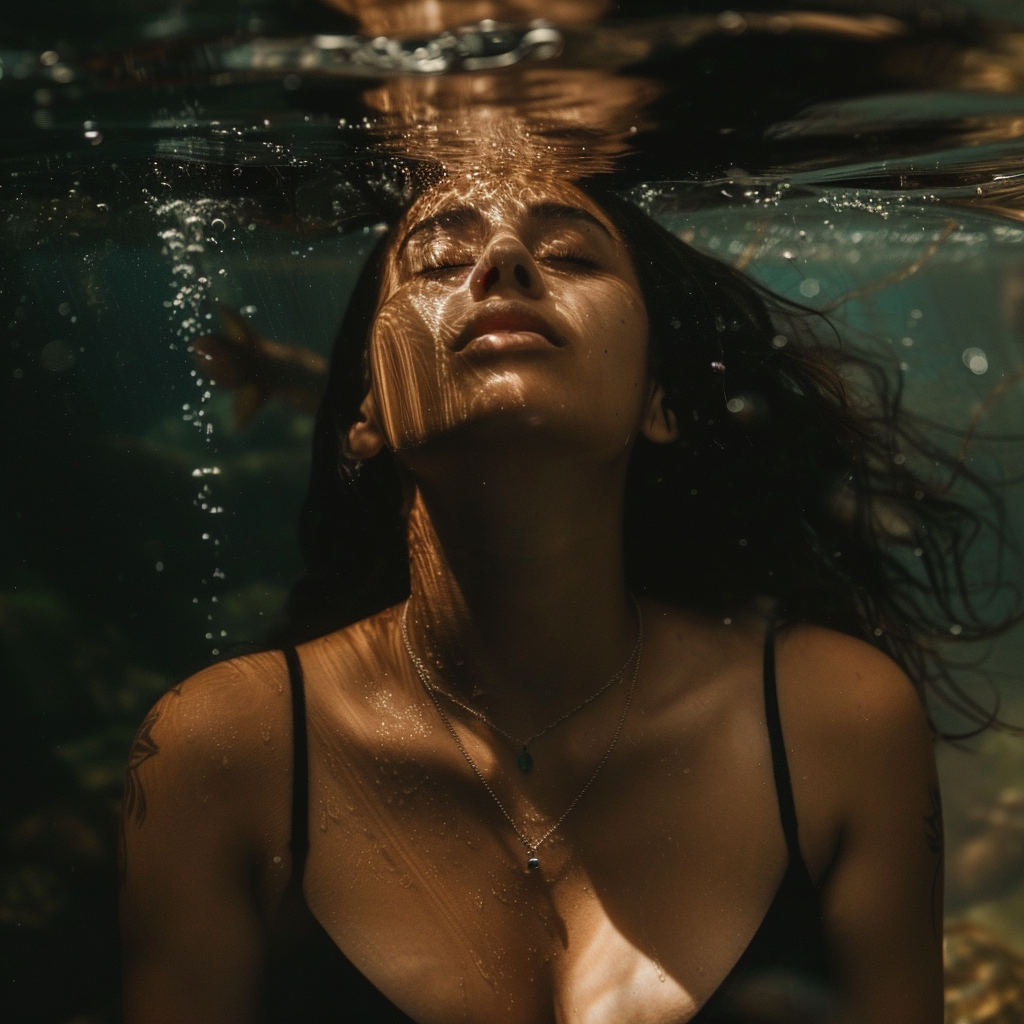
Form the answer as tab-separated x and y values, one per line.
509	311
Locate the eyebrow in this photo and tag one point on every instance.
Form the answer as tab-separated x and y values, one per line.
464	215
460	216
562	211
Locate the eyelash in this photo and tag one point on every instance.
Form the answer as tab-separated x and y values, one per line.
571	256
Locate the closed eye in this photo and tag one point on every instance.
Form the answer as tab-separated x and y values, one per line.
571	258
441	269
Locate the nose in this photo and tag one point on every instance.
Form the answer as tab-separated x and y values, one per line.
506	267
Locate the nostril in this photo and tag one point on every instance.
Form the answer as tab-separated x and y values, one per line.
522	276
490	279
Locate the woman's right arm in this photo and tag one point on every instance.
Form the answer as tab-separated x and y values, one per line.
205	799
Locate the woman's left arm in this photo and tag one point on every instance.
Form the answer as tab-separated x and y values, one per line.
871	749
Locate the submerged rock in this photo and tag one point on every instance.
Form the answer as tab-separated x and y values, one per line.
984	977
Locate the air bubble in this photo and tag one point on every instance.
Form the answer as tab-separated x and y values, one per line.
57	357
809	287
975	360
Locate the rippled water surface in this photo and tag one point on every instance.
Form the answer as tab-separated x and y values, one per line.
167	175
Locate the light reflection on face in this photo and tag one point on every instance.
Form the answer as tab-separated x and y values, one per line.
509	310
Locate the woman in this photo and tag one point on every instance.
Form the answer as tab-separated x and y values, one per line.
643	532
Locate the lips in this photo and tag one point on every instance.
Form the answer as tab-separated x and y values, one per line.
507	320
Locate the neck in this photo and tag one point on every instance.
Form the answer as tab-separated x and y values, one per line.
518	588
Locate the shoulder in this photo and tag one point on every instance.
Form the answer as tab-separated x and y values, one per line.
846	690
222	704
857	737
214	740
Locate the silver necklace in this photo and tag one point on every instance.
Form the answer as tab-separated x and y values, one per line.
524	762
531	845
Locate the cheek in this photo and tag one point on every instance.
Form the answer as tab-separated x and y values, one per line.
403	368
408	358
614	327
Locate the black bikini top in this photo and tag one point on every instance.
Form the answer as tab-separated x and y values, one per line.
311	981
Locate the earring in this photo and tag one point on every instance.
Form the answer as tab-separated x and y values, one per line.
349	467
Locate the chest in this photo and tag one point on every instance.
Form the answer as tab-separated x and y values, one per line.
647	893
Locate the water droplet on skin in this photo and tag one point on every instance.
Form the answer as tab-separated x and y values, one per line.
809	287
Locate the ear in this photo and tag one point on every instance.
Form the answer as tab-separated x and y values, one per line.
365	438
659	423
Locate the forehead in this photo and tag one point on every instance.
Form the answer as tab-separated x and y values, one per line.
503	201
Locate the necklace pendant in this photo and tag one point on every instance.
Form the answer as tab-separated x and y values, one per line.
525	761
533	863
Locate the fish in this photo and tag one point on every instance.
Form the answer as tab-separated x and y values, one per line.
258	369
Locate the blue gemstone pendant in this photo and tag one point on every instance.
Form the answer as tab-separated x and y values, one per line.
533	863
525	761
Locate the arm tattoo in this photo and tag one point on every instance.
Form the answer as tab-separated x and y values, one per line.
143	748
934	839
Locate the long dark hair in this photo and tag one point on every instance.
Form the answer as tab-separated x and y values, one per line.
799	482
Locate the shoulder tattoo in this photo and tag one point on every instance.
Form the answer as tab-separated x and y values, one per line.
934	839
143	748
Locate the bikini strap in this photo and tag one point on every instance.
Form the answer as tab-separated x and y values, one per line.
780	763
299	840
